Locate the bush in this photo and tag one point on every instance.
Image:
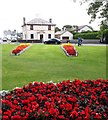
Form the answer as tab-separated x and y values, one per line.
89	35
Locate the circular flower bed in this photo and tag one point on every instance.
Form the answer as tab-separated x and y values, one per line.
67	100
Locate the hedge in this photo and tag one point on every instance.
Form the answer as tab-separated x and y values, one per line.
89	35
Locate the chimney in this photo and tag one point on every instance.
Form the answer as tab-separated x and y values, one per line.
24	21
50	20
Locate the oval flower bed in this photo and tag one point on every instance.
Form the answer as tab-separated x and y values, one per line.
69	49
77	100
19	49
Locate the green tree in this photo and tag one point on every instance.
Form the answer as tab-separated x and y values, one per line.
99	9
57	29
68	27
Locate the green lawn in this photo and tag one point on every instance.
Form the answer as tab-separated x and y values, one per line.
48	62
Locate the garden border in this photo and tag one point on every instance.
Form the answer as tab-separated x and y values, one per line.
22	50
67	53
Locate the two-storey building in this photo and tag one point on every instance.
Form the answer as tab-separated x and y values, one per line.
38	30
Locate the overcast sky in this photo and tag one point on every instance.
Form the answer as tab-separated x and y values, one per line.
62	12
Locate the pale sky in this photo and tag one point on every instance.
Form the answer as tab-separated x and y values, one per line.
62	12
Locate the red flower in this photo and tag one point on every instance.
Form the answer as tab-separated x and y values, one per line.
66	100
72	99
46	114
68	107
70	49
61	117
5	117
74	114
16	117
97	116
53	112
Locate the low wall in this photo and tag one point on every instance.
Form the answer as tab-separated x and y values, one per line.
30	41
95	41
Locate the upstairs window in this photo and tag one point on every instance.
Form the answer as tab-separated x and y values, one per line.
49	27
31	27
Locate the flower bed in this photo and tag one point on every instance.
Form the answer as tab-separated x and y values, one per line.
77	100
19	49
69	49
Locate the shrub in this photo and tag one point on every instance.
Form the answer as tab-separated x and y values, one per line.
88	35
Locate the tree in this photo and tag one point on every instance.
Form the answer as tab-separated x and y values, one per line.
57	29
99	8
68	27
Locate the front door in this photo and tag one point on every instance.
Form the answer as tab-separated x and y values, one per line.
41	37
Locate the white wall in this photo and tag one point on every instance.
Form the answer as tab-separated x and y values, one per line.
67	34
85	29
37	30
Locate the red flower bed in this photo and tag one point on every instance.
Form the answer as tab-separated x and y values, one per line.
20	48
77	100
69	49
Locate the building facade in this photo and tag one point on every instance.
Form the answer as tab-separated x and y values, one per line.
38	30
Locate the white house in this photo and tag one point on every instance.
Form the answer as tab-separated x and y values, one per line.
64	35
83	28
38	30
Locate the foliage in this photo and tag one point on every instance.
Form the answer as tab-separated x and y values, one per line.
103	26
96	7
57	29
68	27
88	35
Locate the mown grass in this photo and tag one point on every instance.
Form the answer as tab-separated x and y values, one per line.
49	62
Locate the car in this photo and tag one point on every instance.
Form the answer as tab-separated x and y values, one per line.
5	39
53	41
13	39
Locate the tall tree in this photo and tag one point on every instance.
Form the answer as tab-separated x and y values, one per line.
99	8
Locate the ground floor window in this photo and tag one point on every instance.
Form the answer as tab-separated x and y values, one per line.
32	36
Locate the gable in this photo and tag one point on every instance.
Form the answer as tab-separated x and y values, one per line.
67	33
86	28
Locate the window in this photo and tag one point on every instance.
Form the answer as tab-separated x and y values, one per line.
49	27
49	35
31	27
32	36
